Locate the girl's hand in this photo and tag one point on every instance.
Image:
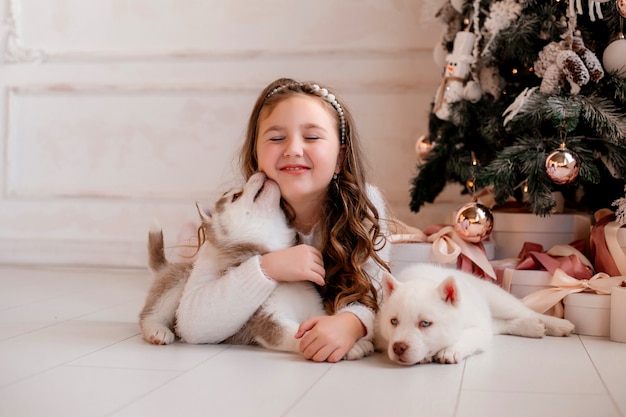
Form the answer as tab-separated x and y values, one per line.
297	263
329	338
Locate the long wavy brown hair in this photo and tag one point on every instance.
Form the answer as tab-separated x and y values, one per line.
350	222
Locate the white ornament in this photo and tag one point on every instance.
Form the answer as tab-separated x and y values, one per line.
517	105
614	58
456	73
620	213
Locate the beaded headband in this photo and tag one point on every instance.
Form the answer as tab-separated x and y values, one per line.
323	93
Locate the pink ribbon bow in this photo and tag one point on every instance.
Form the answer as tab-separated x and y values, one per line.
568	258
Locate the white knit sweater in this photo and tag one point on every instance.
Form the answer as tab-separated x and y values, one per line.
213	308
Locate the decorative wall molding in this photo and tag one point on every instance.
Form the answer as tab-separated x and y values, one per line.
73	253
17	50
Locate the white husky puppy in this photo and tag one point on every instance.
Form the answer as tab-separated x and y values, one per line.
434	313
244	223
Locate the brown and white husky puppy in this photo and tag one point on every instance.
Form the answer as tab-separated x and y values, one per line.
244	223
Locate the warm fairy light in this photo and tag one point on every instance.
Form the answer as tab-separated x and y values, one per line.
514	71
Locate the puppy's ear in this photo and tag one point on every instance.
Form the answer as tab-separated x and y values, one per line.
449	291
205	215
389	284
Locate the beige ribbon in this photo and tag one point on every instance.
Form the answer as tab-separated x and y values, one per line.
448	245
563	285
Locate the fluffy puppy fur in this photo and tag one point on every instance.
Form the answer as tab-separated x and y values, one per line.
433	313
244	223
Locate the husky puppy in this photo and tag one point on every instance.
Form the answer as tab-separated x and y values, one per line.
433	313
244	223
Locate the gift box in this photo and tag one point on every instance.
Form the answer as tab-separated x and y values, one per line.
520	283
511	230
405	254
618	314
589	312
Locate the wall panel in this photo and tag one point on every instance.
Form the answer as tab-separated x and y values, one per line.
118	112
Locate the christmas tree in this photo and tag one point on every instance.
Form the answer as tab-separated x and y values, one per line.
532	103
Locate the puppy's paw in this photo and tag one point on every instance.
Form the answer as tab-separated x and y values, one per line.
361	349
157	334
448	355
428	359
562	327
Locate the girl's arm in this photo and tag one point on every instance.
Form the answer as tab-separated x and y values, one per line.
213	308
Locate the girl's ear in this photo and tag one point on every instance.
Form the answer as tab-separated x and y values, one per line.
340	158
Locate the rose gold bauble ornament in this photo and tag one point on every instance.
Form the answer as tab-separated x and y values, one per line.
614	57
423	147
562	166
473	222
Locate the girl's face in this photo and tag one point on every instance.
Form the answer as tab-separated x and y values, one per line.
298	147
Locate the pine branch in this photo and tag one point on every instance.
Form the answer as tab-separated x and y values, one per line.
603	117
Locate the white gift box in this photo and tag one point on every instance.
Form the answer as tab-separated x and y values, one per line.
405	254
520	283
618	314
512	230
590	313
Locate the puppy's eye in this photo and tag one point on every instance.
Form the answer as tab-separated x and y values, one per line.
394	321
425	323
235	197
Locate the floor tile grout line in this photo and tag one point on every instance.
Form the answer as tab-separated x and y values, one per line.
460	390
306	391
70	319
595	367
180	375
66	363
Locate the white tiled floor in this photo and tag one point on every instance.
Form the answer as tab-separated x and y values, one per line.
70	346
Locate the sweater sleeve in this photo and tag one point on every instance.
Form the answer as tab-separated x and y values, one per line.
213	308
374	271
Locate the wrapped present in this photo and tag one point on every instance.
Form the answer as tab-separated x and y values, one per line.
562	285
617	319
511	230
568	258
441	244
532	270
607	244
590	313
521	283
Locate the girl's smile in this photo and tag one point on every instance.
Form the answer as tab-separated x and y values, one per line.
298	147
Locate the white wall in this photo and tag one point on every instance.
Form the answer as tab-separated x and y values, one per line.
119	111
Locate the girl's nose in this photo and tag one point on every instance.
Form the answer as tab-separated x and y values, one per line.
293	146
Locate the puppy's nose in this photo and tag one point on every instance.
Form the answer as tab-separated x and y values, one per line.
399	348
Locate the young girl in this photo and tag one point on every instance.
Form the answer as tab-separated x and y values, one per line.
302	137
